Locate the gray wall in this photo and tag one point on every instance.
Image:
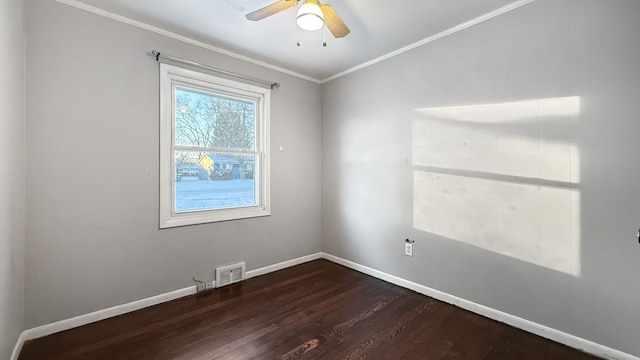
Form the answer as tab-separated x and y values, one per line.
524	200
12	143
507	151
92	170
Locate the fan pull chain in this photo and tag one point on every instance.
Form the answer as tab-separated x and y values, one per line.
298	35
324	35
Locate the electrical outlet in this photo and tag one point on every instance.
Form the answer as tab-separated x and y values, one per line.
408	249
204	286
200	287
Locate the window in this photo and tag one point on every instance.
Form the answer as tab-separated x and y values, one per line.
214	159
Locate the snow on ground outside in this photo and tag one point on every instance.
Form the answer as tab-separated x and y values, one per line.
210	194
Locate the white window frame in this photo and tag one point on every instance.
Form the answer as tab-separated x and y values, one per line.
172	76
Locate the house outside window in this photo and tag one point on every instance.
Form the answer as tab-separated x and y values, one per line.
214	142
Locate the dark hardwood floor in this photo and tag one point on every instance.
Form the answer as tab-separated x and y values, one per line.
317	310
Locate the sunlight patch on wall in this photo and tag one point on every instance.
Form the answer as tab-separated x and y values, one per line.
530	138
508	111
533	223
502	177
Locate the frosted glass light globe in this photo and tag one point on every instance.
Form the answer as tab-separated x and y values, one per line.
310	16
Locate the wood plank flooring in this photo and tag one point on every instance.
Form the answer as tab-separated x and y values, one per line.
317	310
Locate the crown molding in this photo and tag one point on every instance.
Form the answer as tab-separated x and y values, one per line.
204	45
141	25
440	35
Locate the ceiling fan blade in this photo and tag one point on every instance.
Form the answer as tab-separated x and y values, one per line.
269	10
333	22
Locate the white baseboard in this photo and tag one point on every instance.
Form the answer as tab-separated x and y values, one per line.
529	326
520	323
283	265
80	320
18	347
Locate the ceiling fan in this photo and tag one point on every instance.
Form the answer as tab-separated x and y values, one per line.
311	16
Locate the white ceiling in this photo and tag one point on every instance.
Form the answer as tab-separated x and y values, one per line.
378	27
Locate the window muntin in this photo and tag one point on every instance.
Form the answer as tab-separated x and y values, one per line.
214	148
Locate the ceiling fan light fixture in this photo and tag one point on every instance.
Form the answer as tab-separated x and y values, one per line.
310	16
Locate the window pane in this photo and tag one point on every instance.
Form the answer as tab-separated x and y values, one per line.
214	140
207	181
210	120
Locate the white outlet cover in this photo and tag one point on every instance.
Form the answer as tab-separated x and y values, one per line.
408	249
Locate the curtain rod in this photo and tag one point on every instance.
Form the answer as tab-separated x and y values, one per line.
159	56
